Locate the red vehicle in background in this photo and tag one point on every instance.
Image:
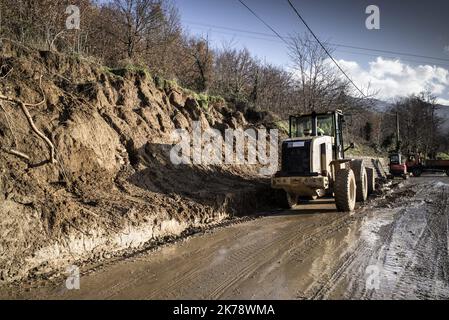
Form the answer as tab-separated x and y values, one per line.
397	166
417	165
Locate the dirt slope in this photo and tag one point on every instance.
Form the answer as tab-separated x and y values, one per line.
113	186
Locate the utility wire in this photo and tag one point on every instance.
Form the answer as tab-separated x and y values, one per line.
327	52
400	53
265	23
325	49
322	46
241	33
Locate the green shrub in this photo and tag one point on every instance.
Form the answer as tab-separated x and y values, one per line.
164	84
203	101
131	69
443	155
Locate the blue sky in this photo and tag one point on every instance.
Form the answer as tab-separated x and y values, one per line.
414	27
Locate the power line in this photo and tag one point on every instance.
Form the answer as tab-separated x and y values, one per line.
263	21
237	32
232	29
313	34
393	57
325	49
401	53
393	52
322	46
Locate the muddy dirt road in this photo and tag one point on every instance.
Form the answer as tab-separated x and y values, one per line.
395	247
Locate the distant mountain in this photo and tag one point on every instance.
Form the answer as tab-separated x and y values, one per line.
381	105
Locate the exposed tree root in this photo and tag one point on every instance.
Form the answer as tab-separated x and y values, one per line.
39	133
17	153
24	107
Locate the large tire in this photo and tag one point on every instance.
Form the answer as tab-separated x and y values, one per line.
447	172
292	200
417	172
371	180
361	179
345	189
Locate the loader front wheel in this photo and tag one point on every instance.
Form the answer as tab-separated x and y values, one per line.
292	200
345	189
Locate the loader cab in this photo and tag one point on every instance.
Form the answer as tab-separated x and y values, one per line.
320	124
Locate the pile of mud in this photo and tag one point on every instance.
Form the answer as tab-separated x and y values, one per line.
113	186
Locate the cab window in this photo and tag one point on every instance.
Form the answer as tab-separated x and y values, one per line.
325	125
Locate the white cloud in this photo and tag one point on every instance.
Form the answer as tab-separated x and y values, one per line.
393	78
443	101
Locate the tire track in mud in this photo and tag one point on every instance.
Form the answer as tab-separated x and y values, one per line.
326	286
172	286
328	280
425	252
232	265
282	243
352	265
247	260
408	280
116	289
429	242
381	251
189	276
316	237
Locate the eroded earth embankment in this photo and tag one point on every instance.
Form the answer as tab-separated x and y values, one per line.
113	186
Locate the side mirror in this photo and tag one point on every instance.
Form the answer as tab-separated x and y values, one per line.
351	146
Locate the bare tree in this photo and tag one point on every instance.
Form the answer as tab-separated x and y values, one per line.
273	90
135	19
419	126
199	60
235	71
319	83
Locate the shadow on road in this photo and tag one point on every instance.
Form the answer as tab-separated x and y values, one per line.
312	207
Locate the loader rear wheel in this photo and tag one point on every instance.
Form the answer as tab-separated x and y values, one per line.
345	189
371	180
361	179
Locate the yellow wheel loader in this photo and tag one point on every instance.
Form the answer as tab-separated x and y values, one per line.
314	164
